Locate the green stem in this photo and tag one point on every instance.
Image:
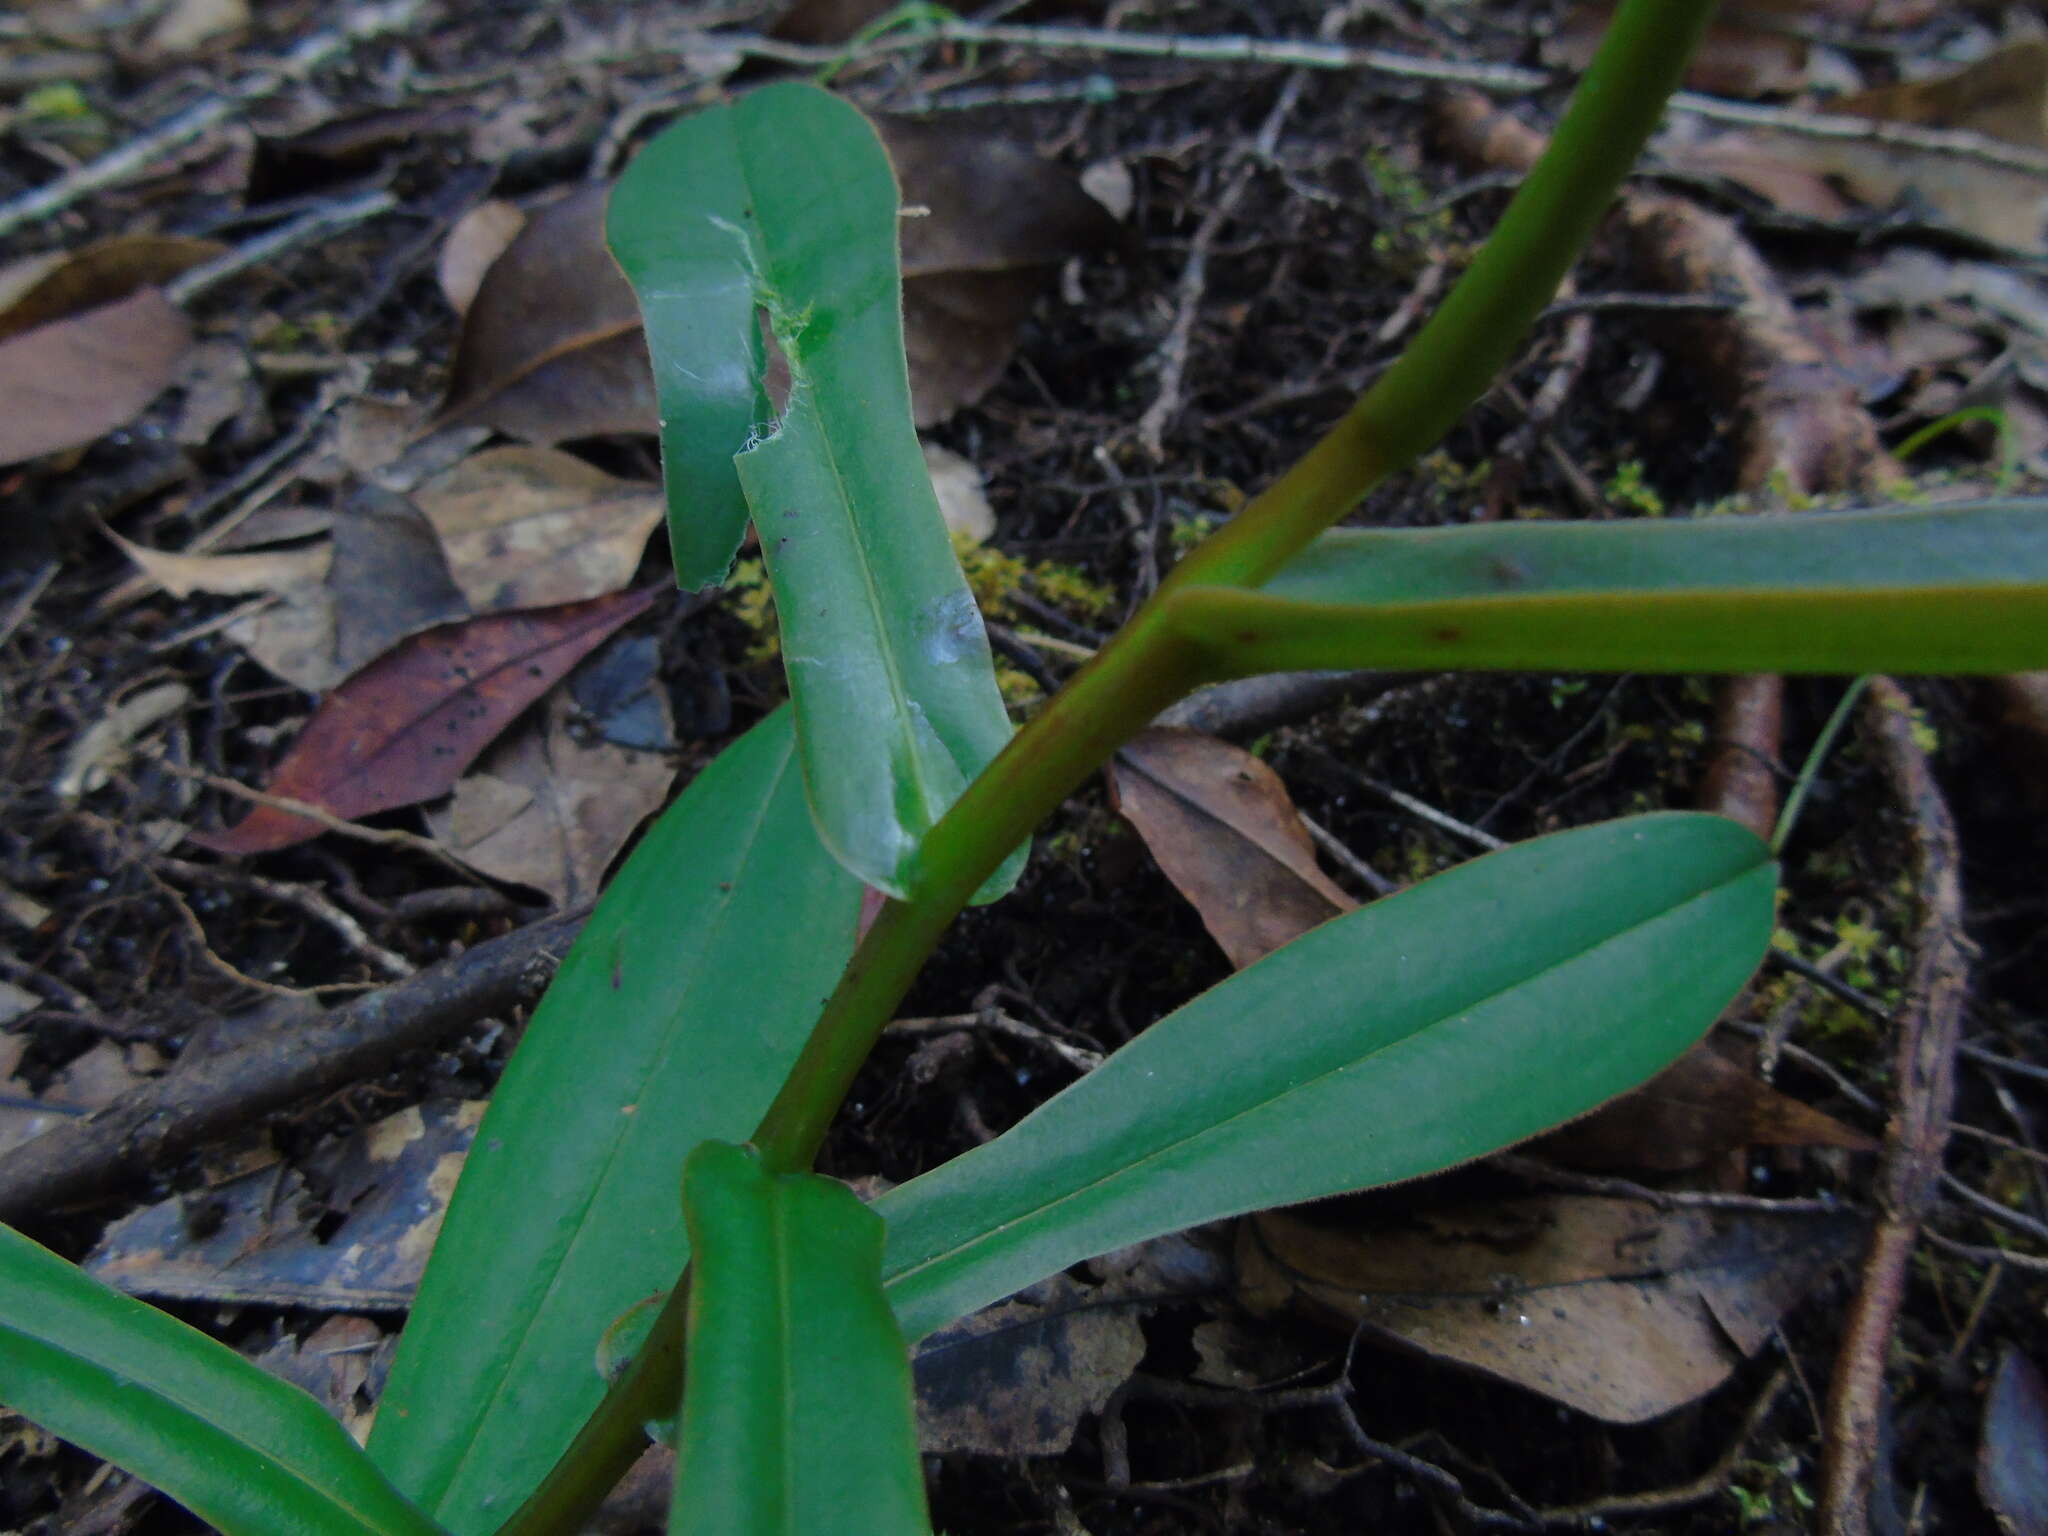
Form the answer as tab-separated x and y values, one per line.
1148	665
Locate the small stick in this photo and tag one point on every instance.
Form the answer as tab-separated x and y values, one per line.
134	158
1909	1168
188	285
153	1125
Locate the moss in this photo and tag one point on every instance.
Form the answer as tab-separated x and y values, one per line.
1626	488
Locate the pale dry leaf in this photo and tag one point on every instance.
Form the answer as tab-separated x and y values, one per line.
105	744
963	503
190	24
479	238
549	809
524	527
251	571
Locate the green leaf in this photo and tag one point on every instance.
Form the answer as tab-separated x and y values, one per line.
673	1020
797	1416
239	1448
1960	589
784	204
1462	1015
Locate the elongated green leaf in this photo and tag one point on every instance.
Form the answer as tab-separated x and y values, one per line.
797	1417
1431	1027
785	203
1960	589
236	1446
673	1020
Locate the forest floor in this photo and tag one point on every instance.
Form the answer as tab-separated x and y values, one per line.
336	360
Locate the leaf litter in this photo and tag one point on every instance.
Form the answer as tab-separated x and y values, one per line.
404	728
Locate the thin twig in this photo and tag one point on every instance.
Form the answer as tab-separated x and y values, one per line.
273	243
393	966
1336	848
153	1125
1539	1172
1909	1168
135	158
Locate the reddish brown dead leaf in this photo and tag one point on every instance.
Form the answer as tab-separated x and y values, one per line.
551	348
404	728
1613	1307
1694	1111
1222	828
2012	1458
68	383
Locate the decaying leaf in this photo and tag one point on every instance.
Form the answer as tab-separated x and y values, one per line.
337	1364
1613	1307
1016	1379
2012	1456
524	527
70	382
259	1237
1224	831
1697	1109
549	808
67	283
551	348
389	578
404	728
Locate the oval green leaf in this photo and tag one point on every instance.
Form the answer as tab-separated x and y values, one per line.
239	1448
673	1020
1960	589
783	205
1458	1017
797	1416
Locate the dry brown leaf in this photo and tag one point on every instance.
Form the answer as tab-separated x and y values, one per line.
550	809
96	275
68	383
1696	1110
827	21
1016	1379
478	239
990	204
525	527
389	579
2004	96
1221	826
551	348
1612	1307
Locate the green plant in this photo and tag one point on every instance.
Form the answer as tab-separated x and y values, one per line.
721	994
